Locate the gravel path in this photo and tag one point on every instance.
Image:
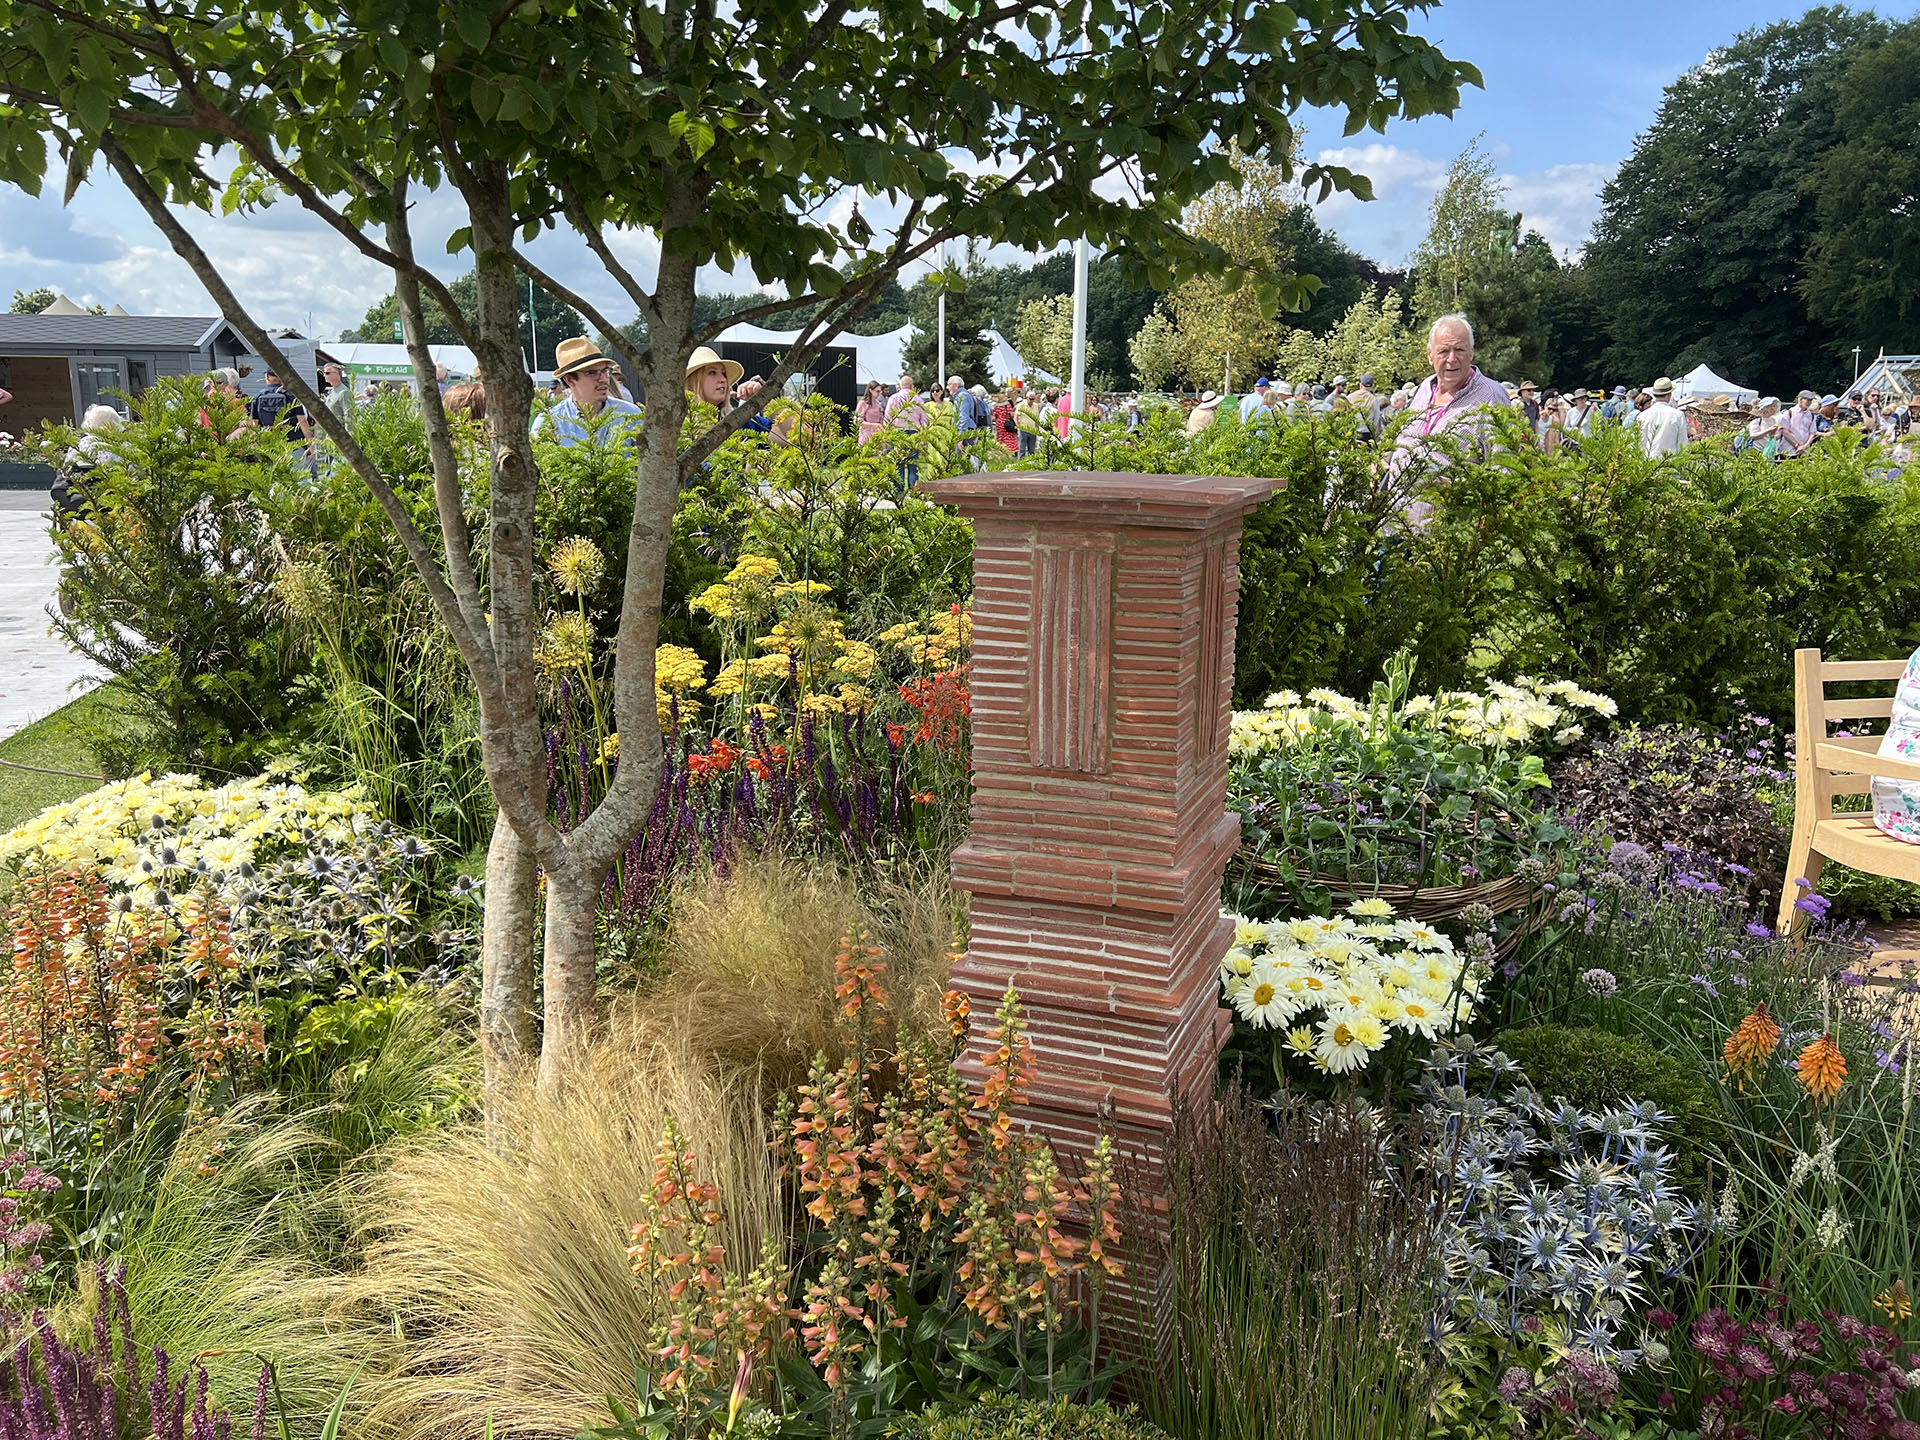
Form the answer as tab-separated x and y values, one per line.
38	674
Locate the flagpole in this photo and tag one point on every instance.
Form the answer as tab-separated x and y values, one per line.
1078	403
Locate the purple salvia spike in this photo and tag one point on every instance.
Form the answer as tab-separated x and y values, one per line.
202	1421
102	1336
260	1403
222	1425
129	1357
157	1394
109	1410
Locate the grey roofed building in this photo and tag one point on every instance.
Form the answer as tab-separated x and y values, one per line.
58	365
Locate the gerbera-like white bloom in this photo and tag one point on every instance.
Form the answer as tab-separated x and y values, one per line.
1326	925
1312	985
1343	952
1248	933
1302	932
1237	961
1283	700
1420	1016
1339	1047
1372	907
1421	936
1263	1002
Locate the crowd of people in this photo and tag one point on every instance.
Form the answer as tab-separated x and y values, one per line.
589	402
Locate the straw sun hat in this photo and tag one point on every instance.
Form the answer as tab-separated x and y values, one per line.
704	356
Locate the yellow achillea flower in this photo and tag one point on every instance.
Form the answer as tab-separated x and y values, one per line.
1822	1069
1896	1302
1750	1044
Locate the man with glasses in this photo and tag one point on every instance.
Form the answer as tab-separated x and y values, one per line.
588	376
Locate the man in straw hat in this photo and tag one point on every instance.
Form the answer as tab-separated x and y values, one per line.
590	410
1663	429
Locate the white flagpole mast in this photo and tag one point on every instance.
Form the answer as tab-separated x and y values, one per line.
1079	379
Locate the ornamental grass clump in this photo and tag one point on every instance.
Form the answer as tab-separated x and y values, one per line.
1296	1249
745	969
495	1258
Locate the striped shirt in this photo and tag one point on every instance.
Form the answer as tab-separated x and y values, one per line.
569	427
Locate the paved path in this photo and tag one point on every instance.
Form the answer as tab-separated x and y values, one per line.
37	671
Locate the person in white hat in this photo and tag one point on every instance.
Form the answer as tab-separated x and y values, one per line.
1663	429
591	412
1203	414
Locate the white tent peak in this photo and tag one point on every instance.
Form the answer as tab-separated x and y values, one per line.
1700	383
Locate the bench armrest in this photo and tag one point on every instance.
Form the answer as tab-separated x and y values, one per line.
1856	757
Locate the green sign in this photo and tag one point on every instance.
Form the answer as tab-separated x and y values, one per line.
398	334
364	367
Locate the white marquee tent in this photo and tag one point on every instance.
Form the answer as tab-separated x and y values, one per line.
365	360
1700	383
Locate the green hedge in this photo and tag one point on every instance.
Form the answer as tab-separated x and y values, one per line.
1595	1068
1680	588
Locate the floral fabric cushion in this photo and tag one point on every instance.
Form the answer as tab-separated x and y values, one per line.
1896	803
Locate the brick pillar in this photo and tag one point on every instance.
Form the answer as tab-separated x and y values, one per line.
1102	675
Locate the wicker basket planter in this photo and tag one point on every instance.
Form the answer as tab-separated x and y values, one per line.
1507	896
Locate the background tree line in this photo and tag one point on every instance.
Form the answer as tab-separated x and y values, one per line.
1767	222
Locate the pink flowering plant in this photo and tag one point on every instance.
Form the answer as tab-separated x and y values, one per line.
1770	1377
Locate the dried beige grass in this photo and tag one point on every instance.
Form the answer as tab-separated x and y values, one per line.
500	1258
749	976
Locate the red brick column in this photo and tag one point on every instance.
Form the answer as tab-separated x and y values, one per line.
1102	674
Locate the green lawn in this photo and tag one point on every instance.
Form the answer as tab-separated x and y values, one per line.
55	743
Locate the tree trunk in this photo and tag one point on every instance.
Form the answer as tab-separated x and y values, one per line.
508	1034
568	978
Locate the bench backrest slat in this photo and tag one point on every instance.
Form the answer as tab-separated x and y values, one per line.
1813	711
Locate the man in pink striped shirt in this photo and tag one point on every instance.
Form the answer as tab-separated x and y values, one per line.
1451	401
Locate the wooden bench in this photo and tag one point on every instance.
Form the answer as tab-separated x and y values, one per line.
1821	832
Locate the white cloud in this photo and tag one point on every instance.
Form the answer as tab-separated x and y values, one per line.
1395	174
1561	202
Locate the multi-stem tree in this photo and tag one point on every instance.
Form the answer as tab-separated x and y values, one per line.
730	134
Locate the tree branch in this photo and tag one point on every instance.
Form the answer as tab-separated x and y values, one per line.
447	496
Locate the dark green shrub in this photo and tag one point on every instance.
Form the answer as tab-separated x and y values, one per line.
1700	791
1007	1417
1681	588
1595	1068
168	580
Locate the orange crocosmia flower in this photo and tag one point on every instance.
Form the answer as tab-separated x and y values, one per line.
1822	1069
1750	1044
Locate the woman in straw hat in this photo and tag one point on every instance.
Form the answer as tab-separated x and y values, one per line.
712	379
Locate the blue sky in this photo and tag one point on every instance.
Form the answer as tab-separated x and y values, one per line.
1567	90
